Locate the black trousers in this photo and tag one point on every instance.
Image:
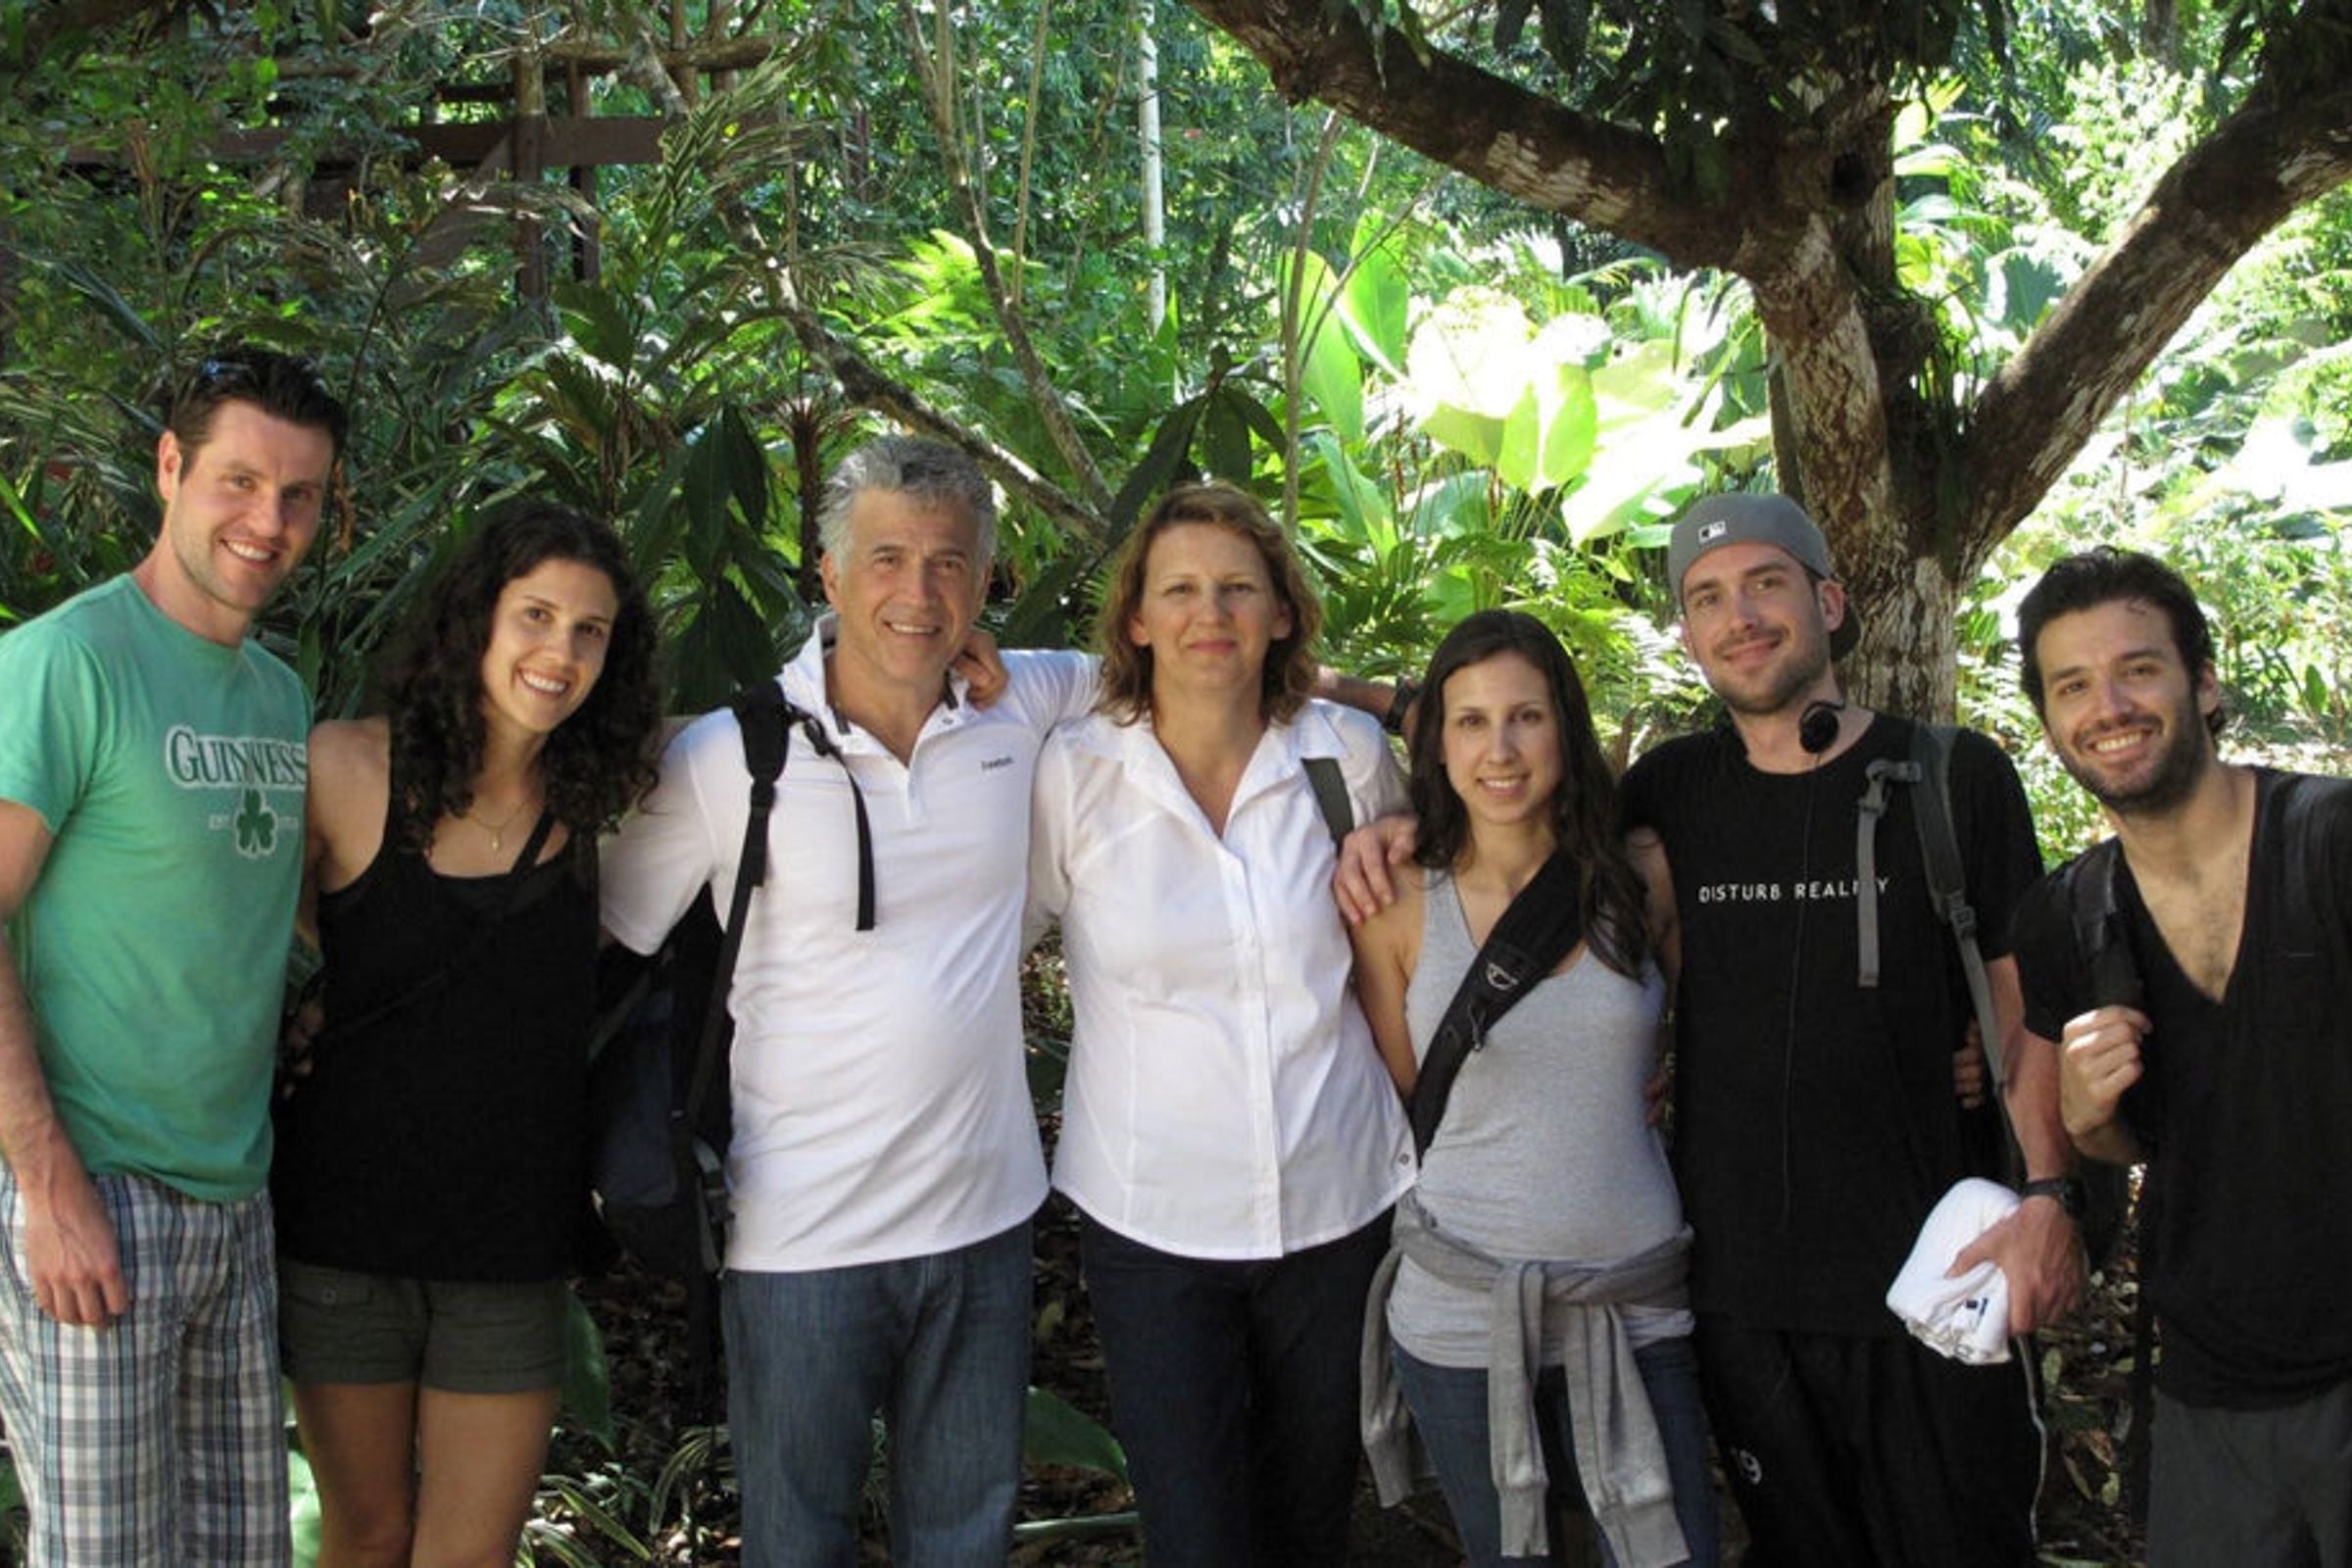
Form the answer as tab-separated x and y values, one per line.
2252	1489
1233	1388
1847	1451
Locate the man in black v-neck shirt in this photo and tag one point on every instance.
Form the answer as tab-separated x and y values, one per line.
1814	1117
2231	1070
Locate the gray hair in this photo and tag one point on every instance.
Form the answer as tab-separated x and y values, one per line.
929	470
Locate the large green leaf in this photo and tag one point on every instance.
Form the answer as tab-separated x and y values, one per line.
1225	437
587	1379
1547	440
596	318
1057	1433
1653	425
1468	369
1361	504
1329	373
1333	379
1376	303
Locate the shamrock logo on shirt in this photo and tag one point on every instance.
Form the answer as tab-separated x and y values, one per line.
256	827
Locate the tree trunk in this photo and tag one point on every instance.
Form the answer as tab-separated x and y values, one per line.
1906	662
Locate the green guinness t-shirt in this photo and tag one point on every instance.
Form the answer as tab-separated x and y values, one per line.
169	772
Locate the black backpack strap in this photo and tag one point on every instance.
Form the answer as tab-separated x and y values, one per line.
2101	935
2104	939
765	718
1324	777
1947	885
1928	770
822	744
1541	926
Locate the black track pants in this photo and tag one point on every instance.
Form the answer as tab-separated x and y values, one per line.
1852	1452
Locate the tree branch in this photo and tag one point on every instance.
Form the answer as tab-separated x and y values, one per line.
2205	213
934	76
1499	133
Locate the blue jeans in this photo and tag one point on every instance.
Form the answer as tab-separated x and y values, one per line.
1232	1387
938	1345
1449	1410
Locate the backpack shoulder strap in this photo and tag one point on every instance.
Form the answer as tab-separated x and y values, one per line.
1323	776
1947	883
1927	769
1541	926
2103	940
2101	935
765	716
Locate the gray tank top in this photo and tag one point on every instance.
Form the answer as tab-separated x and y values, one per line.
1544	1152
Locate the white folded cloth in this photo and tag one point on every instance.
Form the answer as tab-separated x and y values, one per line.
1964	1318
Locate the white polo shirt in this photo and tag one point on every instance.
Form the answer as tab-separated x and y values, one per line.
881	1104
1225	1099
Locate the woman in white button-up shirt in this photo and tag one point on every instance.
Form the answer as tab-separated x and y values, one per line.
1229	1134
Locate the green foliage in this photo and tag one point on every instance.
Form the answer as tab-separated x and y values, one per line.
1055	1432
302	1489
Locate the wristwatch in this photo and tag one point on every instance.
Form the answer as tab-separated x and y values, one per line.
2067	1190
1394	720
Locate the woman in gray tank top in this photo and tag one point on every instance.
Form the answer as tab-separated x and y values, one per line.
1533	1312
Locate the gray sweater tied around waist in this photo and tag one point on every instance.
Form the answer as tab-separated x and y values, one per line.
1619	1454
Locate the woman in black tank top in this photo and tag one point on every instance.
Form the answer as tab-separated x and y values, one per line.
430	1167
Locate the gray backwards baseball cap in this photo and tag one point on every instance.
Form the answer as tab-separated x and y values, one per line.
1755	520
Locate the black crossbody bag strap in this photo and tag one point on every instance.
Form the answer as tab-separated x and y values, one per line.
1541	926
765	718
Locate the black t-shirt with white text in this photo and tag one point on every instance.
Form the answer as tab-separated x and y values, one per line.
2245	1108
1815	1120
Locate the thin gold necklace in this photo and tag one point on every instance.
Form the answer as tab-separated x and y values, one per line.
498	830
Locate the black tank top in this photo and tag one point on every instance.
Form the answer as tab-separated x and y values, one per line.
442	1133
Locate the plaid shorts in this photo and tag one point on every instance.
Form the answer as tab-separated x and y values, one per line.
160	1438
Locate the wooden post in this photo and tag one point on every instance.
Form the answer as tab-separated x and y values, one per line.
587	246
530	162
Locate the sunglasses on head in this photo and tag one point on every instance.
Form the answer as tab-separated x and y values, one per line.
236	370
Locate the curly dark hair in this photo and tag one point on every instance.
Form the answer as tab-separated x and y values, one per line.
600	761
1584	808
1289	676
2106	575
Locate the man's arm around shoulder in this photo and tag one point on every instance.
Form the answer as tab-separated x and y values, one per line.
71	1259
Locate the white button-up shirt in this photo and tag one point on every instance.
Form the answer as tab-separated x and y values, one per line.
1225	1098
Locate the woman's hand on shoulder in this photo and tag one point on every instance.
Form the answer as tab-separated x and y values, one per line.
1365	879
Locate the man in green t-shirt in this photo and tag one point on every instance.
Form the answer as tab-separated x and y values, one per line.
151	831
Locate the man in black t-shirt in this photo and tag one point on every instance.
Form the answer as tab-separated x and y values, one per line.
1816	1119
2196	969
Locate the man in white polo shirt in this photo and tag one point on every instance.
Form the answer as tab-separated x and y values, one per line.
885	1161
